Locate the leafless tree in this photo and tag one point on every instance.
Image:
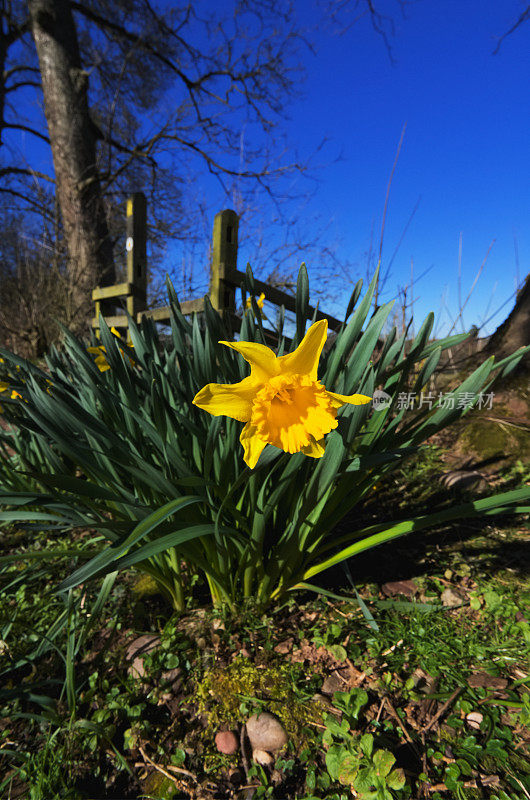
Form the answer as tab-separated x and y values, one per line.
129	97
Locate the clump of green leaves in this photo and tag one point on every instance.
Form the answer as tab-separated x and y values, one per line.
126	453
351	758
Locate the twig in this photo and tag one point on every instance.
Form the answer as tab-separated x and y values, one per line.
163	771
402	726
391	649
399	721
441	787
443	709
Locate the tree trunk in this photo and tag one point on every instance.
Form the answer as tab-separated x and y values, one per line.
64	86
514	331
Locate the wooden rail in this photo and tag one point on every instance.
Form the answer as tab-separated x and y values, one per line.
225	278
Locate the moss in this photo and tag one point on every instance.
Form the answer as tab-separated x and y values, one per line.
157	785
265	688
487	438
145	586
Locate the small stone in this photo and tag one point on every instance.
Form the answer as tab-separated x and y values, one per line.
136	652
483	679
226	742
473	719
327	704
392	588
265	732
450	598
284	647
262	757
333	683
171	676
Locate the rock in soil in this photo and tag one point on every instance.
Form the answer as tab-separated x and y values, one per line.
226	742
265	732
262	757
136	652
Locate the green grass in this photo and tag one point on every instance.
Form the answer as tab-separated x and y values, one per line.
74	724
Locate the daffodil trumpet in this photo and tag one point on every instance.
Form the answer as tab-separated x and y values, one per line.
282	401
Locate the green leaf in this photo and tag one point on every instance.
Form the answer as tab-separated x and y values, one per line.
380	535
360	357
367	744
396	779
112	554
333	761
383	761
348	768
354	297
346	339
302	304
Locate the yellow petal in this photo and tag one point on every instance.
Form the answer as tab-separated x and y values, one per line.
252	444
304	360
115	332
353	399
315	448
228	399
261	358
102	363
3	386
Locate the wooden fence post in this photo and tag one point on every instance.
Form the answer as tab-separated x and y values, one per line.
136	254
224	260
135	288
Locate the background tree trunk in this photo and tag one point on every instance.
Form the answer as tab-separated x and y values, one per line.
64	86
515	330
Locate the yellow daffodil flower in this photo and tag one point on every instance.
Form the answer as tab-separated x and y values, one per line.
99	351
259	302
282	401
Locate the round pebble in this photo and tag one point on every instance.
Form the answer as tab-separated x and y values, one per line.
265	732
226	742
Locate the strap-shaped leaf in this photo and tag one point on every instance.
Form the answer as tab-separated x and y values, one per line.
427	370
301	305
250	279
365	348
163	543
111	554
354	297
345	340
375	535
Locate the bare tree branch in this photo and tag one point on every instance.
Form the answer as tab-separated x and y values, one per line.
523	17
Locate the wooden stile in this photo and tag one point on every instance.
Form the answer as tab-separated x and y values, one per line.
225	278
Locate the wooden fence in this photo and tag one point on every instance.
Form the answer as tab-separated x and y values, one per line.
225	278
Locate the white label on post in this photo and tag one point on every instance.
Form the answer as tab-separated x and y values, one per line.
129	243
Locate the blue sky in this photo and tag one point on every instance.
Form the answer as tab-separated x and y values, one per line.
465	154
465	158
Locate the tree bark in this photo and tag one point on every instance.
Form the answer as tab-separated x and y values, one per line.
65	87
515	330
